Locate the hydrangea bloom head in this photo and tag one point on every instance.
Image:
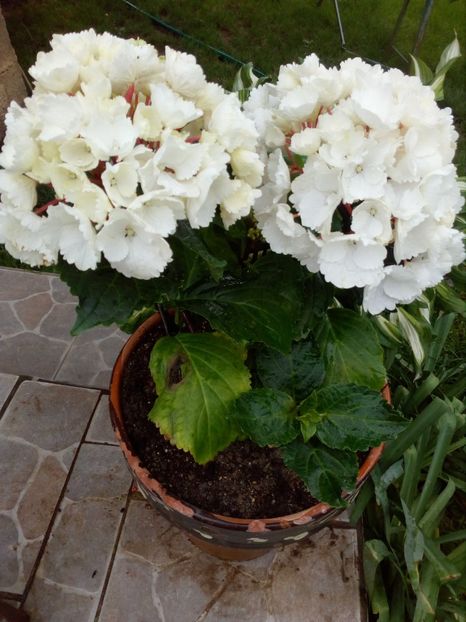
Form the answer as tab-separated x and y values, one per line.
359	181
124	143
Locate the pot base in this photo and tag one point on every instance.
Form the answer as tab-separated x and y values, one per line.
226	552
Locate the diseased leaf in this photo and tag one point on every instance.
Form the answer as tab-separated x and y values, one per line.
351	417
266	416
298	373
350	349
197	377
325	472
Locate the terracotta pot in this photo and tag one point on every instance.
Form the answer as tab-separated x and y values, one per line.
223	536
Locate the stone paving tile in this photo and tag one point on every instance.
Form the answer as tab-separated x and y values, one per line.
41	426
49	602
37	313
75	561
91	357
156	565
26	347
7	382
100	430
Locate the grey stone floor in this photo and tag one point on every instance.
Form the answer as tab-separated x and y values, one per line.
77	542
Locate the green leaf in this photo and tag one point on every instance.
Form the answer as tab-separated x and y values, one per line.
413	546
375	551
350	349
298	373
266	416
262	307
449	54
245	80
107	297
445	569
192	240
421	70
416	331
382	480
351	417
197	377
325	472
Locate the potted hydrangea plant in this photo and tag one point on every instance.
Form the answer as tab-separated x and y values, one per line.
246	249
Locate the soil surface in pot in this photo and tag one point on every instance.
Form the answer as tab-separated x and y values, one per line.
244	480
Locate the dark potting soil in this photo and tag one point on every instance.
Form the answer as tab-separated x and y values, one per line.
244	480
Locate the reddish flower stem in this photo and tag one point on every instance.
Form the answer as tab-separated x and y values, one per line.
43	208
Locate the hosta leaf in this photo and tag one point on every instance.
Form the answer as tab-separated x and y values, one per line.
351	417
421	70
350	349
298	373
325	472
449	54
197	377
266	416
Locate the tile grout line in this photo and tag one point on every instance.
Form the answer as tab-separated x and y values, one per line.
63	383
63	357
113	555
362	585
221	590
12	393
48	531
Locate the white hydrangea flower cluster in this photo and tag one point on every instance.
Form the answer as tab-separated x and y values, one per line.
126	143
359	180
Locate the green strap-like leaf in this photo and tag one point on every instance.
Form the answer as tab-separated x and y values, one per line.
421	70
197	377
350	349
298	373
325	472
375	551
266	416
351	417
413	546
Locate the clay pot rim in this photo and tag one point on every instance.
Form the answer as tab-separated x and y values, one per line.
188	509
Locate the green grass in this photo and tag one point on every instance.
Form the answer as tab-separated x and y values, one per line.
268	33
